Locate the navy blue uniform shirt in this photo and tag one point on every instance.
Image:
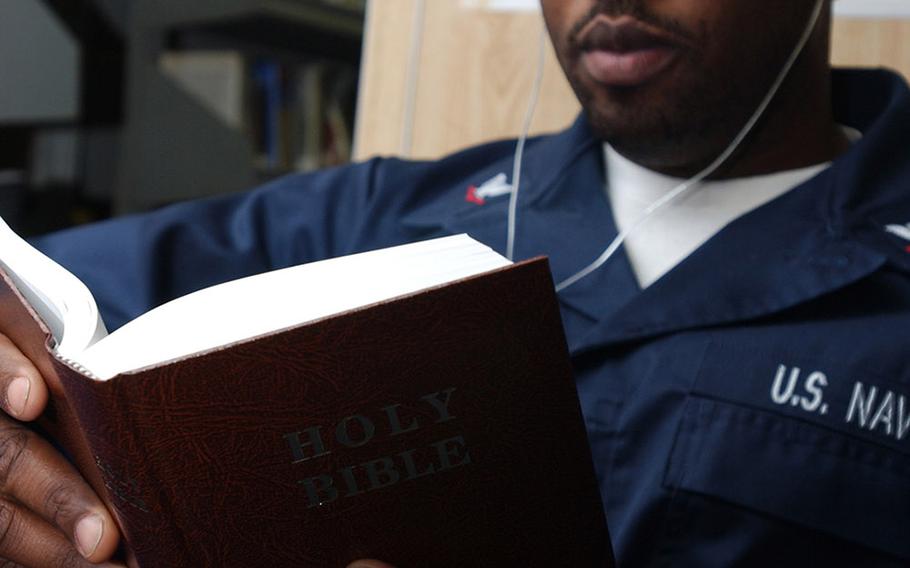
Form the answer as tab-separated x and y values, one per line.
750	407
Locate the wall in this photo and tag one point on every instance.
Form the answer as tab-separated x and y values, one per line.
40	65
461	71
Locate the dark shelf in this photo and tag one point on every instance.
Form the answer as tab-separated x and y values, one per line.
258	32
293	26
103	52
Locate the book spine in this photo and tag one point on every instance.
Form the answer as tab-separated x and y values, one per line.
124	475
267	77
85	417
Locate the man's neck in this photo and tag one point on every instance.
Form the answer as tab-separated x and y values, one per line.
798	129
785	139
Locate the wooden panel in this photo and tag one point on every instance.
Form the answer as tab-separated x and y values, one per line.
474	77
476	67
383	78
872	43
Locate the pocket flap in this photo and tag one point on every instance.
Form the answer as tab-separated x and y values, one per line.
794	470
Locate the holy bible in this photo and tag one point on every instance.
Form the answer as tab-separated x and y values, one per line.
431	423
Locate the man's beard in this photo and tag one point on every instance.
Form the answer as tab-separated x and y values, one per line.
684	130
667	135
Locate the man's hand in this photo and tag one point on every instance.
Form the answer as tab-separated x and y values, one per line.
49	516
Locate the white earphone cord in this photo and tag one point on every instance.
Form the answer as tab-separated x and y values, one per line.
666	198
520	147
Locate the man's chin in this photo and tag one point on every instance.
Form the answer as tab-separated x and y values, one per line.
652	144
646	141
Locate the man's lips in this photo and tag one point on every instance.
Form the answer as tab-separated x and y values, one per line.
625	52
627	69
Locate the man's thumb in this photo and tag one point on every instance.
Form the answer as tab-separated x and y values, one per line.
369	564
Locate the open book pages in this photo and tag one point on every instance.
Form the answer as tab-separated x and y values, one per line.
257	305
59	298
236	310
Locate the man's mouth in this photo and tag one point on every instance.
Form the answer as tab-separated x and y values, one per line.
625	52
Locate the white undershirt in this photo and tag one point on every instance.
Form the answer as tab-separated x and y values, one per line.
676	230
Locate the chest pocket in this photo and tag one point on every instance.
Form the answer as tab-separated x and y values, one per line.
827	449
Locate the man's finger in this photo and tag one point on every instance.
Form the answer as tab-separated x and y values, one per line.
23	393
28	540
369	564
41	480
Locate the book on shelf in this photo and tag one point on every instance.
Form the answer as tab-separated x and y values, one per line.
414	404
297	115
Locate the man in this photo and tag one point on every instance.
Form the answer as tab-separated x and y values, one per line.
742	363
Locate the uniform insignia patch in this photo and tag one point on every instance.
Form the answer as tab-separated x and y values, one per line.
472	197
902	231
493	187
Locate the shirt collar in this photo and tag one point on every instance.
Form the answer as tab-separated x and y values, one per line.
824	235
817	238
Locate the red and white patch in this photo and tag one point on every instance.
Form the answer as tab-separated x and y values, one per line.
472	197
902	231
493	187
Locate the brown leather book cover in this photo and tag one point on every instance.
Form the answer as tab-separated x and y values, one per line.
436	429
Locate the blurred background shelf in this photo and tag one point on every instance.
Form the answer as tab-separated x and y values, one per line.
105	109
315	27
174	146
117	106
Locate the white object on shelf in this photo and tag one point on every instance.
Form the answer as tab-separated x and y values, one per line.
872	8
845	8
503	5
214	78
